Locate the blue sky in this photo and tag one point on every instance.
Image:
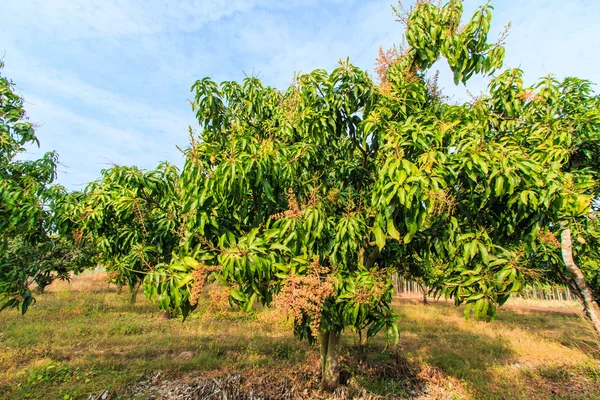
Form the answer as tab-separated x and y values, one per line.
108	81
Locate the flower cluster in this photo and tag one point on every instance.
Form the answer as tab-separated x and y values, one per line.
219	301
441	202
290	105
371	294
333	195
200	276
77	236
315	267
302	297
528	95
548	238
385	60
294	209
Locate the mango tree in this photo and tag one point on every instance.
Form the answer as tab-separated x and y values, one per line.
577	108
566	116
311	197
35	248
133	217
493	176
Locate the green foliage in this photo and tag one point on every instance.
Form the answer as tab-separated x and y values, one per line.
275	189
466	189
53	373
133	218
35	248
433	31
170	286
557	125
334	183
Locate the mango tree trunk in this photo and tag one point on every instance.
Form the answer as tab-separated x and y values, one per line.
425	291
133	292
362	338
578	283
330	354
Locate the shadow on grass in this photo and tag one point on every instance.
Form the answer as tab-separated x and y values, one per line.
447	349
488	357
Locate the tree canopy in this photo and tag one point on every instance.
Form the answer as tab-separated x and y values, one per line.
133	217
312	196
35	248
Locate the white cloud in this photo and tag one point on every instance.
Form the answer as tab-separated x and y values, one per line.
76	19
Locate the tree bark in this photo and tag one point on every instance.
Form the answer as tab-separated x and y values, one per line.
578	284
425	292
134	291
330	353
362	337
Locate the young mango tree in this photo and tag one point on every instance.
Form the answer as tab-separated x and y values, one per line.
566	116
311	197
506	168
133	217
34	249
277	197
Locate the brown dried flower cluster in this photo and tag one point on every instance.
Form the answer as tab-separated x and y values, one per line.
528	95
314	197
302	297
442	202
219	301
384	61
200	276
294	209
548	238
77	236
318	269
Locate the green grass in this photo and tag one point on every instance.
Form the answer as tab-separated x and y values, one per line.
85	337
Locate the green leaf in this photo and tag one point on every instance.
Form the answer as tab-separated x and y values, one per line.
392	231
379	236
237	295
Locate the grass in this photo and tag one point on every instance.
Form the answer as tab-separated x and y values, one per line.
85	337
